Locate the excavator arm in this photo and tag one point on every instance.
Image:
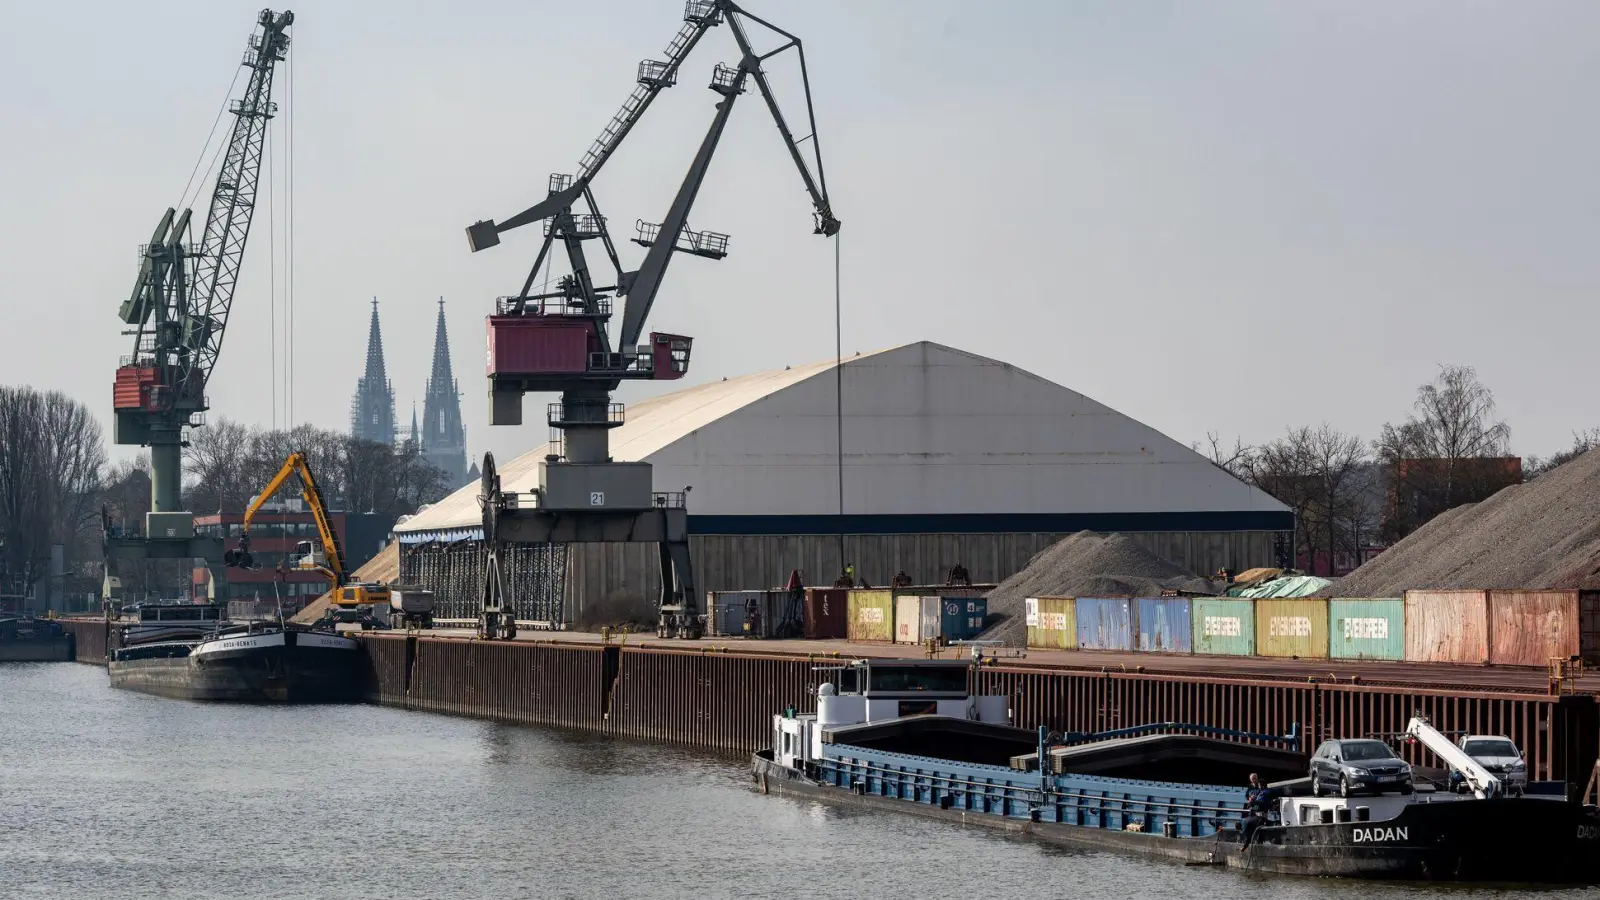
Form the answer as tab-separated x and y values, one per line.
296	464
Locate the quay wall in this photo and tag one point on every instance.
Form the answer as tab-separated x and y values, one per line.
89	637
724	700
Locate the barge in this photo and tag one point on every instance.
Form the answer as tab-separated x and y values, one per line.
908	736
253	662
26	639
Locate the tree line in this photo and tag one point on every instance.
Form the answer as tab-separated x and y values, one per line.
55	480
1348	493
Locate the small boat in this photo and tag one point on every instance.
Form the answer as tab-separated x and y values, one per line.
252	662
26	639
907	735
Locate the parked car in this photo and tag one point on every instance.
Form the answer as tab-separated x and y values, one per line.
1498	754
1349	767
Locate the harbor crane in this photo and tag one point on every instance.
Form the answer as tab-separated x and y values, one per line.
178	312
560	340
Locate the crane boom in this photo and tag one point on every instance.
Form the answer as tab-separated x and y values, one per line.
233	200
297	464
654	77
1484	784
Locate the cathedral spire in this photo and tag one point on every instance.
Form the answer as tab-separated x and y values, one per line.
372	407
444	441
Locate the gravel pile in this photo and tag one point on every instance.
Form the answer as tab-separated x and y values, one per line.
1543	534
1085	564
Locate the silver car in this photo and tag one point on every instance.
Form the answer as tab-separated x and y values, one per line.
1499	755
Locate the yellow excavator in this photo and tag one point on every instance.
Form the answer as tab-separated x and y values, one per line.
352	601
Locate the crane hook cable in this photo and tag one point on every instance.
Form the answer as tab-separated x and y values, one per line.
183	199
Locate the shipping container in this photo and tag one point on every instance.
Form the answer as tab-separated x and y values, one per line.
871	615
1292	627
1163	625
1224	627
826	614
728	610
1052	622
1367	628
907	620
1104	623
1529	628
1447	626
962	617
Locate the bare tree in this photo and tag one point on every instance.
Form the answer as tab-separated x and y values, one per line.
1236	461
1316	472
1582	442
1451	450
52	459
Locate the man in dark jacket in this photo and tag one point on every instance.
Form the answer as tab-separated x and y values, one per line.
1258	799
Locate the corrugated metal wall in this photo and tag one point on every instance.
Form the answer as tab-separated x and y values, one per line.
1164	625
1104	623
606	577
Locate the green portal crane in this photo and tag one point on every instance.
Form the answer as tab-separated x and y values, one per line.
179	309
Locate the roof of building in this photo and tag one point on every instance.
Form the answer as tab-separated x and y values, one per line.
930	432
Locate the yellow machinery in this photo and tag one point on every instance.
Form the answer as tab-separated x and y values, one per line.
351	601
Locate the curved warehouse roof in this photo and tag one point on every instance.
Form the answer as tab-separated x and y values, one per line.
935	440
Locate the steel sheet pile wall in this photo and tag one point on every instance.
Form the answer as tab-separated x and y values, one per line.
1293	628
1528	628
1447	626
1052	622
1561	737
1164	625
88	638
522	682
718	700
1367	629
1224	627
1104	624
389	660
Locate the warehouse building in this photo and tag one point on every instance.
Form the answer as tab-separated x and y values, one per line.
944	457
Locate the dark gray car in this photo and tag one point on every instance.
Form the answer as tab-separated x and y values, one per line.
1358	766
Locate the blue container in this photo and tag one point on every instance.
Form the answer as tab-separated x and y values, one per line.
1164	625
1105	624
961	618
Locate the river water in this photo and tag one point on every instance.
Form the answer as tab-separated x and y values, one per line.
111	794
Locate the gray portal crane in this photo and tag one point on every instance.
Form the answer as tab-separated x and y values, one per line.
179	310
559	340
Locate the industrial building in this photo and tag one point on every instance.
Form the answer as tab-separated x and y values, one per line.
943	457
278	527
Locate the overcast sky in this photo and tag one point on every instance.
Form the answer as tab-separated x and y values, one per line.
1221	216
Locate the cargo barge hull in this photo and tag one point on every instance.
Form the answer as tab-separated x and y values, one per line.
284	667
1508	841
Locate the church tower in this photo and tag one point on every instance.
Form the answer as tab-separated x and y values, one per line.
372	407
444	441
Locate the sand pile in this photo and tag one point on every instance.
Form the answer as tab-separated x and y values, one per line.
1085	565
385	568
1543	534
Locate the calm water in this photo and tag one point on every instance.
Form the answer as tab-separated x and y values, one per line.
110	794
